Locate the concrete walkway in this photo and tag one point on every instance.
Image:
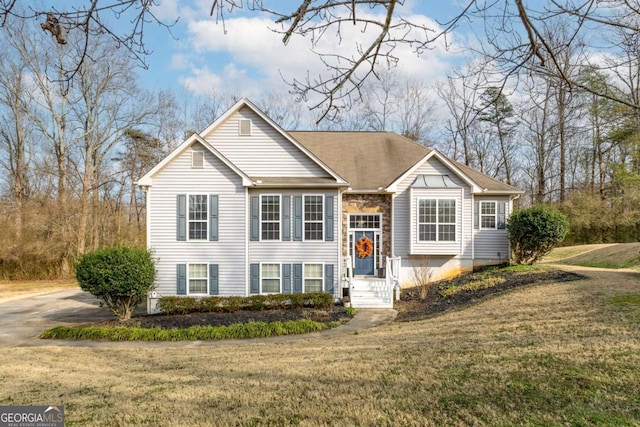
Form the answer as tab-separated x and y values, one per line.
23	319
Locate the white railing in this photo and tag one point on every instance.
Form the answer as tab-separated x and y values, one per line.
392	275
347	272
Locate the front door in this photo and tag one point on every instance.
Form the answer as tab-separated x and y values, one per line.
364	253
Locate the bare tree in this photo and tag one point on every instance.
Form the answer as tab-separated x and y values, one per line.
515	30
15	135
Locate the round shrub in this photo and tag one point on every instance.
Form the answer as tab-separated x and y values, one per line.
535	231
121	277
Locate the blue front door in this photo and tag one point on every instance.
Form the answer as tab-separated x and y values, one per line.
364	253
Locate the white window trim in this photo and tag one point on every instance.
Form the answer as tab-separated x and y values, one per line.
495	214
279	239
304	278
206	221
351	215
279	277
189	264
437	223
304	221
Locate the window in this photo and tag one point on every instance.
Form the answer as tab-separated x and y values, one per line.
244	127
198	217
447	220
270	278
313	277
364	221
313	217
197	159
198	279
492	215
437	220
488	215
270	217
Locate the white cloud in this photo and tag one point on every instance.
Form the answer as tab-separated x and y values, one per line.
247	54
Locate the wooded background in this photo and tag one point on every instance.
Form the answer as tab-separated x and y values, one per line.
71	149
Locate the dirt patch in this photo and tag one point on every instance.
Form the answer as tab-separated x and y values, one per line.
336	313
452	294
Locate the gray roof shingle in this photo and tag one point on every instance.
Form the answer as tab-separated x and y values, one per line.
370	160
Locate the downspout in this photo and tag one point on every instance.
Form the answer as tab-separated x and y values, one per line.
511	199
247	225
339	275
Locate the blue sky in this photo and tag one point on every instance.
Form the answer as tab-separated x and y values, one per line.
250	58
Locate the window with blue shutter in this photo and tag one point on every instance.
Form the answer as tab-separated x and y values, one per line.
255	218
286	278
297	218
328	219
181	217
254	273
297	278
181	276
213	217
286	218
328	278
214	288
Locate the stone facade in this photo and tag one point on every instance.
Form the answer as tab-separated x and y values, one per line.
367	204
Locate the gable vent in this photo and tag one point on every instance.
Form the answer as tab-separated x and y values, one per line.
197	159
244	127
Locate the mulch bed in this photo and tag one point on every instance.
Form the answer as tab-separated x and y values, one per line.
335	313
411	307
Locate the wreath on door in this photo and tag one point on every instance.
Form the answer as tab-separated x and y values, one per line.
364	246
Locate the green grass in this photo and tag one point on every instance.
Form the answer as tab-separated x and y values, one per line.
616	256
192	333
625	300
547	355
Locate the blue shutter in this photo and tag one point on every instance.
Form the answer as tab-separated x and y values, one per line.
297	278
328	278
476	215
181	283
213	279
502	221
286	218
328	219
286	278
213	217
181	217
297	218
255	279
255	218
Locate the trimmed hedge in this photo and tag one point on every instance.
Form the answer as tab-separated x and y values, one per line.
193	333
185	305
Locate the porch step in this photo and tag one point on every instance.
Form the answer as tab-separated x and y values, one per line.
372	303
371	293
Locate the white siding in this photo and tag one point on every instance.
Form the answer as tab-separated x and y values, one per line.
405	210
264	153
444	259
297	252
492	244
228	252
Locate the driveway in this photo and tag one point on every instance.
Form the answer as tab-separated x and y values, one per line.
24	318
